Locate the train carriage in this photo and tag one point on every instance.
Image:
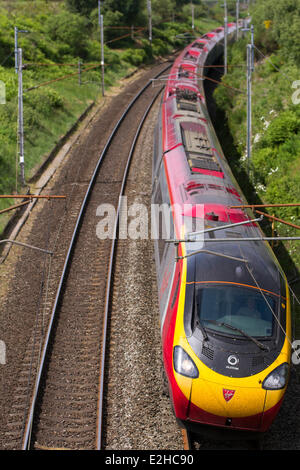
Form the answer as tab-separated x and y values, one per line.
224	299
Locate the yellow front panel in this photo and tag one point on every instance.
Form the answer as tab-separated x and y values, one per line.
206	392
209	397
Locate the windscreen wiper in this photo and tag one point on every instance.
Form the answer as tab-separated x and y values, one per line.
197	321
258	343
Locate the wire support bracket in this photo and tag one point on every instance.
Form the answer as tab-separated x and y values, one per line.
27	246
29	196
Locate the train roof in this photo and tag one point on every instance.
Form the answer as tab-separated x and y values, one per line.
198	174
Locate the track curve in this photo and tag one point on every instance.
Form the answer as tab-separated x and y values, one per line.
73	354
77	431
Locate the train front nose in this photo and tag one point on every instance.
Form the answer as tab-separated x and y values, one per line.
227	405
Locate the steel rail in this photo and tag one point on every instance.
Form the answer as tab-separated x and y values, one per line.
187	439
108	287
26	438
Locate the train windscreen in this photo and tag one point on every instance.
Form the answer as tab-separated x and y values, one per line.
227	309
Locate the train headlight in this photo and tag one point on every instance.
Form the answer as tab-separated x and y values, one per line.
277	379
183	364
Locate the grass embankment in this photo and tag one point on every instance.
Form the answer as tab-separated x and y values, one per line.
57	36
275	163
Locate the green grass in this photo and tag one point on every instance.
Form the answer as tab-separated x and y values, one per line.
76	98
43	133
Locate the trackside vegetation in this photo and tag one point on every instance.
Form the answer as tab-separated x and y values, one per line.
60	34
275	164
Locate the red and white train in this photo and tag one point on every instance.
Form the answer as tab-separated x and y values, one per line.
224	301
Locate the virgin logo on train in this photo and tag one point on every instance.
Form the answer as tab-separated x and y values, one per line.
228	394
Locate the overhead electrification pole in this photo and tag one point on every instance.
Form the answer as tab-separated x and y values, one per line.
225	36
149	6
251	29
102	54
252	47
249	104
237	18
79	72
250	69
193	15
100	20
17	31
16	49
20	116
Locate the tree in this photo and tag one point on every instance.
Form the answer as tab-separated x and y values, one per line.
131	10
284	28
68	31
84	7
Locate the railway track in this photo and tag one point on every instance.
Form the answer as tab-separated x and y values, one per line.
37	427
65	410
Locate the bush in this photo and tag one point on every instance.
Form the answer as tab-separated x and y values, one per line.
281	128
68	30
10	81
134	56
284	189
264	160
284	32
159	47
44	100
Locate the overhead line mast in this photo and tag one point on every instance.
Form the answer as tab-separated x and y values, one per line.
20	117
100	21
